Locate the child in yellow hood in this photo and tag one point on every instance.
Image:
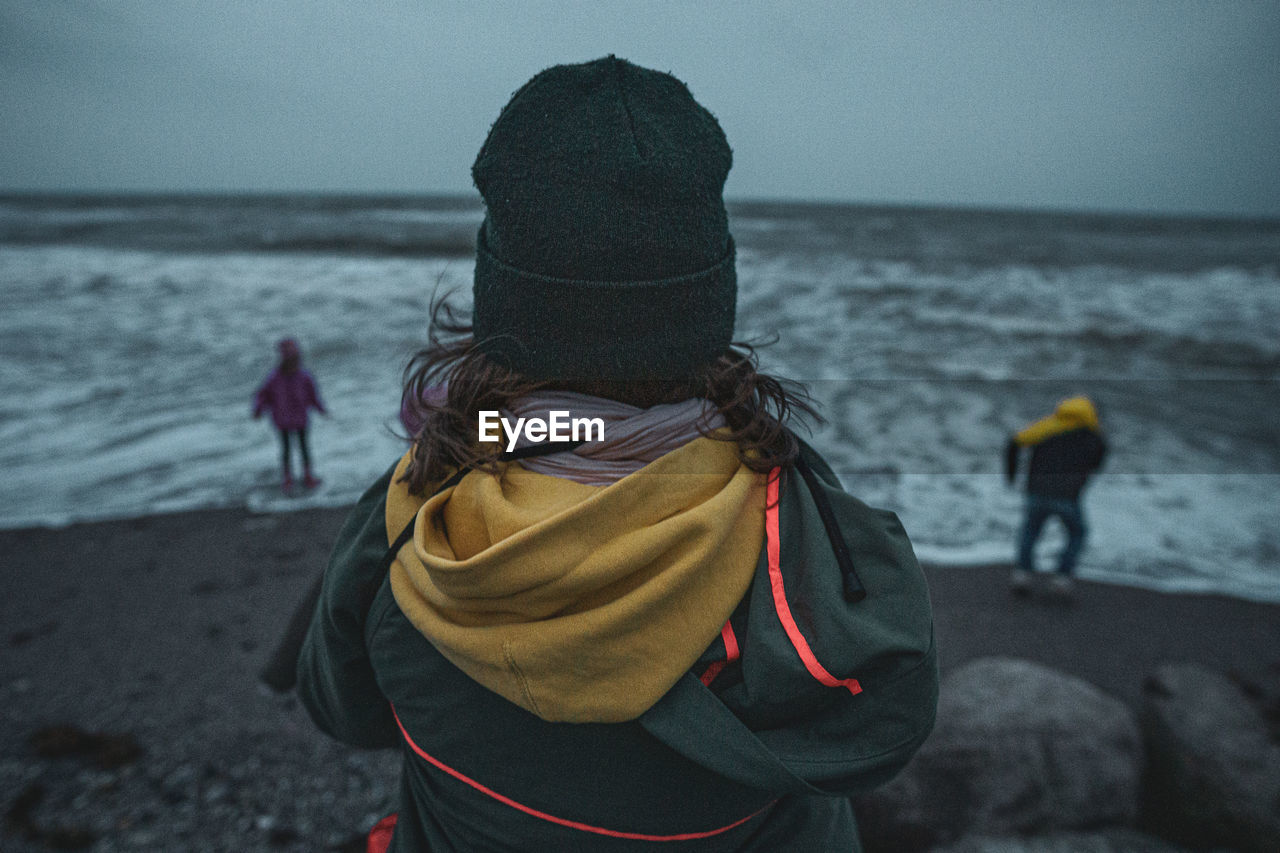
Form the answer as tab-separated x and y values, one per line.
1067	447
677	629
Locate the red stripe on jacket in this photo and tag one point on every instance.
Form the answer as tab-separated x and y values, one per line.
731	655
572	824
774	549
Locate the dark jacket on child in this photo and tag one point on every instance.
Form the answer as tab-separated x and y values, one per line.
1066	449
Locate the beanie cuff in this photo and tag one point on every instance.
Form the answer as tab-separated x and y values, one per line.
549	328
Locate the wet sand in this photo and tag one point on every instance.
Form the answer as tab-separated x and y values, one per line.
155	629
1111	636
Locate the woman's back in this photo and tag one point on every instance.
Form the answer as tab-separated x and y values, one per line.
732	755
684	631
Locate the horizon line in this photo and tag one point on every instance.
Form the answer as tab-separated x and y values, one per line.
7	193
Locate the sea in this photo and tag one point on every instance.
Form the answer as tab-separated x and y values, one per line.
135	329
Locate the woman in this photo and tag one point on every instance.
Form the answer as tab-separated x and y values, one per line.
681	631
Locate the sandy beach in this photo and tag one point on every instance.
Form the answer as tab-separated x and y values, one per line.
145	636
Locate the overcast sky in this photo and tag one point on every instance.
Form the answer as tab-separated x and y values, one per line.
1159	106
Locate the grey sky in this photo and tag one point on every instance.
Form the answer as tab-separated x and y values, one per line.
1165	106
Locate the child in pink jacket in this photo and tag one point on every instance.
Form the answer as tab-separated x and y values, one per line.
289	392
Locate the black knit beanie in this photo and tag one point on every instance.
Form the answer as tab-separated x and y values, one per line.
605	250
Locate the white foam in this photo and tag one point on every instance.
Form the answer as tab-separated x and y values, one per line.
126	378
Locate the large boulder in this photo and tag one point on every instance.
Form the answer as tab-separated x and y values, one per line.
1018	749
1213	776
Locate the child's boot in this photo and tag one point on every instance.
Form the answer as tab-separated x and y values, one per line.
309	481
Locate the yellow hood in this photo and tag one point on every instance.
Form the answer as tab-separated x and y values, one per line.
580	603
1072	413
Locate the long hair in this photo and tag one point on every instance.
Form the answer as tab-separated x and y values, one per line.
756	407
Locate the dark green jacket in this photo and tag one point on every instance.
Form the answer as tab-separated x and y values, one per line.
751	751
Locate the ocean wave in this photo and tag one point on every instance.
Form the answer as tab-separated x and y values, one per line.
1183	352
284	224
441	246
133	347
451	245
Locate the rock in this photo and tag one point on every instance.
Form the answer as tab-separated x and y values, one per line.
179	785
20	819
105	749
282	836
1213	775
1018	749
217	792
1111	841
